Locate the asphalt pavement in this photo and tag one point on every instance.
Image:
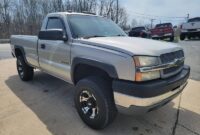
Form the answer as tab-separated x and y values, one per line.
5	51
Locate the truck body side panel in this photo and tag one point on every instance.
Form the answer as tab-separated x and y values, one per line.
55	58
29	45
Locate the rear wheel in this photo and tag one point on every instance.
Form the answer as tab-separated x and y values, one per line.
94	102
182	37
25	72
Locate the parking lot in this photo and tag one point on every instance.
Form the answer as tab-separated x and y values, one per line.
45	105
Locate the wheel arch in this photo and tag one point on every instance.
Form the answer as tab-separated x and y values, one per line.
82	67
19	51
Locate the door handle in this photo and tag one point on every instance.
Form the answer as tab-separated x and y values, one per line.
43	46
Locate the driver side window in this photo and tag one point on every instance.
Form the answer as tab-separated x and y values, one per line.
55	23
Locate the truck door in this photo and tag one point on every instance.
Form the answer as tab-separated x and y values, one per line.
54	55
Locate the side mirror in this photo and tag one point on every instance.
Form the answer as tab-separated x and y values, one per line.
54	34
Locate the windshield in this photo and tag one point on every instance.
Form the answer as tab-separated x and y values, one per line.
139	28
93	26
163	25
194	19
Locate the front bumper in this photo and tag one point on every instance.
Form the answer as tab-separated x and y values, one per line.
167	35
137	98
190	31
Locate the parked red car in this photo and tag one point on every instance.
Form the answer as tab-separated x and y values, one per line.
163	31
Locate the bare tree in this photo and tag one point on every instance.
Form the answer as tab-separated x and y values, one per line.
25	16
134	23
5	14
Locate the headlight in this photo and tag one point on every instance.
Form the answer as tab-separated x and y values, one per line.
146	61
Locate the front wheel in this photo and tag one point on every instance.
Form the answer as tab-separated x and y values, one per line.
182	37
94	102
25	72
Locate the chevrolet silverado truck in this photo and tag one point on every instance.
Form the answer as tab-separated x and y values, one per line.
191	29
110	71
163	31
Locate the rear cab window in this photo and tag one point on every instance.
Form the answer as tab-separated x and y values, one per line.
164	25
138	28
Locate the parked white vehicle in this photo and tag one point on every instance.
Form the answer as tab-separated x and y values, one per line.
191	29
111	71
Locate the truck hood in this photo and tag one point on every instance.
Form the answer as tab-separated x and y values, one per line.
132	46
191	25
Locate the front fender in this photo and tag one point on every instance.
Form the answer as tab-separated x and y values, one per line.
109	69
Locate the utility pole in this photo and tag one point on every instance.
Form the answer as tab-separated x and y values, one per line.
117	15
188	16
152	23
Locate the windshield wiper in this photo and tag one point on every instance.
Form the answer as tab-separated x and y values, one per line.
119	35
93	36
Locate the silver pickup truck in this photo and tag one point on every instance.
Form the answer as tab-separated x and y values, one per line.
190	29
111	71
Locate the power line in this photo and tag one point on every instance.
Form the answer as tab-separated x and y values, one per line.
163	19
156	16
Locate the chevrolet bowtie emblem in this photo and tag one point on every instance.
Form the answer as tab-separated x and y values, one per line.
177	62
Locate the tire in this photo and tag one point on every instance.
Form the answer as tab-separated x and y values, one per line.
172	39
25	72
94	96
182	37
144	35
189	37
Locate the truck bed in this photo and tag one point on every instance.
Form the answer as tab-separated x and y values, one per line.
29	44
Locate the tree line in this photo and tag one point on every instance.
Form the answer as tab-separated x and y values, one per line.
25	16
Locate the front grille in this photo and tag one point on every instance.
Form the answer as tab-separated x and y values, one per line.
190	30
172	69
170	57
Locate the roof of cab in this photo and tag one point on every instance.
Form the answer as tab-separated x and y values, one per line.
72	13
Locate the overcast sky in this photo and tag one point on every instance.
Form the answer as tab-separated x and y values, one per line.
164	8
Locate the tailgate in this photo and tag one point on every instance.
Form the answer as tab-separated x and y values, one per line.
161	31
